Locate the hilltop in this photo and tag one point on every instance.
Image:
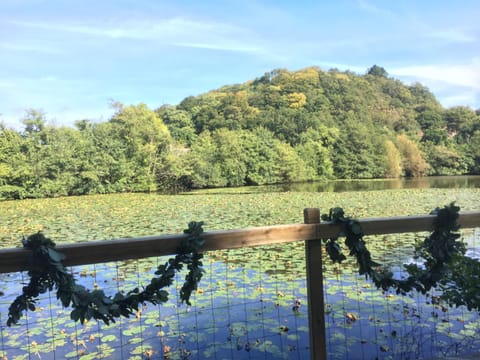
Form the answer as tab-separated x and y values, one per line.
284	126
336	124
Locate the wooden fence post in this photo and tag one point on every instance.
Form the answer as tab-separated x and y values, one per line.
316	309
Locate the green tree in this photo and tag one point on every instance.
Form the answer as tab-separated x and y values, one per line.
358	152
34	148
315	149
289	167
475	152
13	165
259	152
393	168
179	123
461	122
147	141
230	156
376	70
414	164
204	169
445	160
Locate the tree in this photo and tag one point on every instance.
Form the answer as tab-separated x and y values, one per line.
147	141
414	164
259	151
315	149
376	70
297	100
475	152
179	123
358	152
444	160
231	156
461	122
13	165
393	168
34	121
203	169
289	167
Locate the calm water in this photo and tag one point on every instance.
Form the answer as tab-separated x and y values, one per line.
434	182
244	308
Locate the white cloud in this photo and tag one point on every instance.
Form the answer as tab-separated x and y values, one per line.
373	9
452	84
29	48
466	75
468	98
174	31
452	35
21	93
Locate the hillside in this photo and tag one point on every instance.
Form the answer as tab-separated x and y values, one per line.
339	124
284	126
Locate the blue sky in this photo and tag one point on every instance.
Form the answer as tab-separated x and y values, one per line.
70	59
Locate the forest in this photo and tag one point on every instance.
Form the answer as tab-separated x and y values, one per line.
285	126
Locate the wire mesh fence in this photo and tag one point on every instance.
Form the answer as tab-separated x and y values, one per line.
366	323
251	304
242	309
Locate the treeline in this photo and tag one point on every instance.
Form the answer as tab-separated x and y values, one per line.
282	127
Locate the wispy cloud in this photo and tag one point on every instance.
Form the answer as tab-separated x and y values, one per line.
29	48
373	9
21	93
466	75
174	31
451	84
452	35
20	81
469	98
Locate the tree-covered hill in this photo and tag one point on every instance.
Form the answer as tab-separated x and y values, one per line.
284	126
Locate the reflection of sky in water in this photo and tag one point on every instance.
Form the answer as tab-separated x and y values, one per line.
473	244
474	253
245	310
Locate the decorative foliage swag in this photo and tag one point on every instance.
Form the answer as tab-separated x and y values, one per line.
46	272
445	267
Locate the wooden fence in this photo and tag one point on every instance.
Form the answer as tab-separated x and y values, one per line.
312	231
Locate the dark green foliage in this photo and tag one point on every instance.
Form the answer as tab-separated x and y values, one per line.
364	112
358	152
127	153
376	70
445	265
46	272
320	124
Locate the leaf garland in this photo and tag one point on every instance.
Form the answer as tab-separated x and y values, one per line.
445	265
47	272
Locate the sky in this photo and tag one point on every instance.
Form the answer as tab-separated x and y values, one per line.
72	58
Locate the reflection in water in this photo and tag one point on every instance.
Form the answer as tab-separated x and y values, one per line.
436	182
433	182
252	303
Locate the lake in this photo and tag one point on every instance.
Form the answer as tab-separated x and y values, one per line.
245	305
432	182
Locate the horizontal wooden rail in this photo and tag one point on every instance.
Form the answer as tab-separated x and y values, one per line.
93	252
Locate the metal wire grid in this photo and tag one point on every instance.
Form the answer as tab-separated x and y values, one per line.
251	304
241	310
